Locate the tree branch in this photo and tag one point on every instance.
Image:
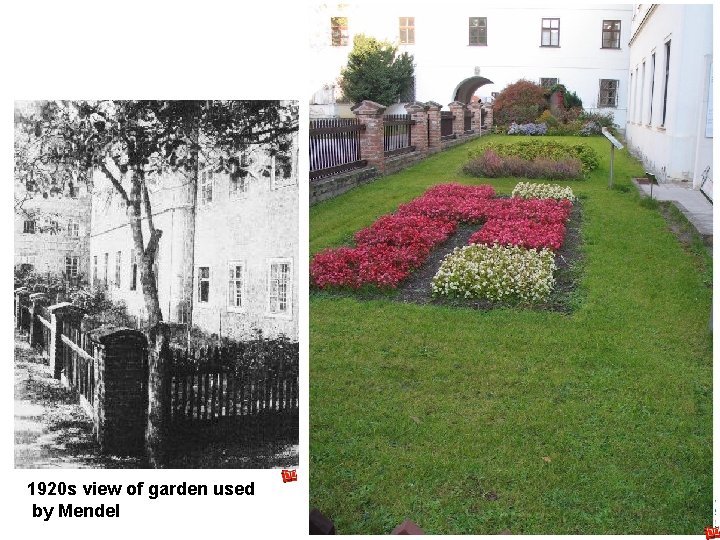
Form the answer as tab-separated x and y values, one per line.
116	184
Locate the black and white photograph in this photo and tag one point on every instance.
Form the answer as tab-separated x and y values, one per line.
156	294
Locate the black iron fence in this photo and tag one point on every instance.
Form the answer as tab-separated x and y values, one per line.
334	146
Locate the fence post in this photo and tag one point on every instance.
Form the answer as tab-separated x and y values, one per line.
21	295
36	300
119	400
419	130
158	405
60	313
370	114
458	110
434	129
476	109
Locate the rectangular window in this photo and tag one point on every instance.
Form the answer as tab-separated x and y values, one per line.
206	187
239	177
203	294
642	94
550	34
611	35
118	263
279	288
667	78
339	30
95	270
284	163
652	86
478	31
73	228
133	270
236	292
407	30
29	226
105	272
71	266
548	82
608	93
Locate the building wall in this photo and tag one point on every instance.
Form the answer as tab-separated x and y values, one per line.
678	149
444	59
47	248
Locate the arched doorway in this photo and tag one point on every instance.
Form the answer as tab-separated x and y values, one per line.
465	90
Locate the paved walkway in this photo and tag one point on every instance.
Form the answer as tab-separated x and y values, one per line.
692	203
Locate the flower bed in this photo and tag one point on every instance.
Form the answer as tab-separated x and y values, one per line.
496	273
553	150
529	190
526	233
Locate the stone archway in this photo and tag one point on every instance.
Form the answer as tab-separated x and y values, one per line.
465	90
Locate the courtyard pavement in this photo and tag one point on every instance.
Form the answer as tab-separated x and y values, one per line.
692	203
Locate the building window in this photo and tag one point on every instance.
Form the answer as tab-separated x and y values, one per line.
118	263
206	187
339	29
652	86
133	270
611	35
407	30
71	266
548	82
279	291
608	93
642	94
667	77
105	272
94	272
29	226
203	294
478	31
73	228
284	164
236	291
550	36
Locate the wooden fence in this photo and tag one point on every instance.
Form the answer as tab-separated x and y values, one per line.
397	137
78	360
221	382
334	146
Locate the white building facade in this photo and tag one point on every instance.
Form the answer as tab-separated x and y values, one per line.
669	123
464	46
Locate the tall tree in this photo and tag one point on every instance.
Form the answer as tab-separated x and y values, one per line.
376	71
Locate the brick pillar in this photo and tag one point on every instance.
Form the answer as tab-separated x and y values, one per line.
476	109
458	110
419	130
370	114
488	117
433	115
59	314
36	301
21	295
120	399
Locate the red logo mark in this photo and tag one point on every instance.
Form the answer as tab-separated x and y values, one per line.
291	476
712	532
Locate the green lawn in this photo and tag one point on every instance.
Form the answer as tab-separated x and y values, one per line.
598	422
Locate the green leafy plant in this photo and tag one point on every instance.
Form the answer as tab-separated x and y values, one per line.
553	150
376	72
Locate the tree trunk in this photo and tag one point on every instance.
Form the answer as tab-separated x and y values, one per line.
158	412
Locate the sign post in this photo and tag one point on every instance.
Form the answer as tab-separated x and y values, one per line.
614	143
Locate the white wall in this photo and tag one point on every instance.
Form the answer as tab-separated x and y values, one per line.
678	145
444	59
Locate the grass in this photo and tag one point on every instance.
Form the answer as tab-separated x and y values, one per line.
598	422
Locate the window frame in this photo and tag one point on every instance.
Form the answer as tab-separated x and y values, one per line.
479	29
611	32
288	313
73	229
105	274
72	266
652	87
556	79
133	270
406	30
200	281
206	186
232	266
550	30
666	79
293	156
29	226
339	34
118	269
602	104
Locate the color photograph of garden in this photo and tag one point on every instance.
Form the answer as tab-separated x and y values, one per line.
501	343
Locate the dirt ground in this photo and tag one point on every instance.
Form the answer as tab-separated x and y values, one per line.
53	431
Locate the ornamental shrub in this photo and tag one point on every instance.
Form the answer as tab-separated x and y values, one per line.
496	273
590	128
547	118
554	150
530	190
490	165
520	102
527	129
